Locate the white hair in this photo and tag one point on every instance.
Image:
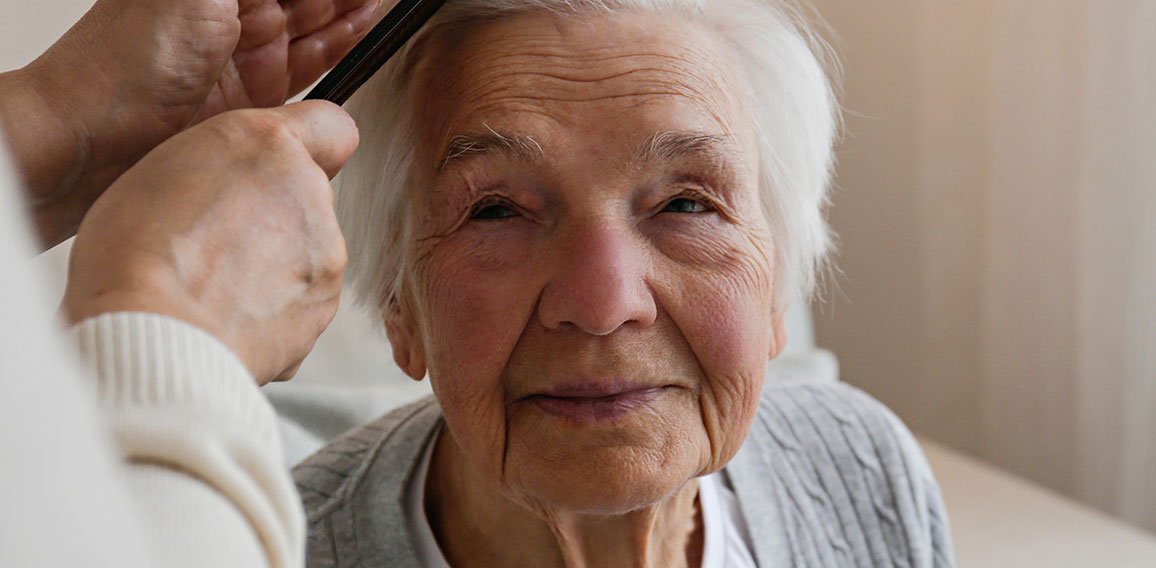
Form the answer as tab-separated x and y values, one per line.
796	117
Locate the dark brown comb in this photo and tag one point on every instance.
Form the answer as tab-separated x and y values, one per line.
374	50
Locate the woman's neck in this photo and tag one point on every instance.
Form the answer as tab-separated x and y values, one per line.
478	526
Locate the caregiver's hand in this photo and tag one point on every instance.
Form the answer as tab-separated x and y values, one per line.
132	73
228	226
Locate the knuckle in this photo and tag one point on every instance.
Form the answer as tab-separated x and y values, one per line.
334	263
325	269
319	186
260	129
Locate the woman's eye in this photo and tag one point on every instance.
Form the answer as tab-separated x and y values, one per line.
493	211
683	205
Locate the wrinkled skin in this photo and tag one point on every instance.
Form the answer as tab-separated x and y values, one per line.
564	257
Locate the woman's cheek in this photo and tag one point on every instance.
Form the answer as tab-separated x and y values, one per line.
492	247
477	293
477	297
718	279
731	259
733	355
475	283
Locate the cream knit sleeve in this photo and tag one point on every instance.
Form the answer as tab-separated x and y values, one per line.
200	442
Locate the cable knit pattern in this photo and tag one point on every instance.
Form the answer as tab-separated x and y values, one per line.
858	489
828	477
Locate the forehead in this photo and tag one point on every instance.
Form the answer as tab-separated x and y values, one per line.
613	78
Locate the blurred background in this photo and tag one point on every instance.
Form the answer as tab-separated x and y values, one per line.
997	214
996	206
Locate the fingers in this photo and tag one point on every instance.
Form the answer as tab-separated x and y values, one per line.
327	132
263	21
304	17
261	74
315	52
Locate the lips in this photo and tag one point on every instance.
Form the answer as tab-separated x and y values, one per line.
590	403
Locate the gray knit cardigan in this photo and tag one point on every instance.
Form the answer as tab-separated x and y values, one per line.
828	477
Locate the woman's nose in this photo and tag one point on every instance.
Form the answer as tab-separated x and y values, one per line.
598	283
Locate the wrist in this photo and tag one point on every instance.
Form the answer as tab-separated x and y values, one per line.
144	293
47	142
50	148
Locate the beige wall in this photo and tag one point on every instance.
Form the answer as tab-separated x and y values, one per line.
996	209
903	314
28	28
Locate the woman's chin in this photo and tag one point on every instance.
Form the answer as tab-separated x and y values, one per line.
607	471
591	492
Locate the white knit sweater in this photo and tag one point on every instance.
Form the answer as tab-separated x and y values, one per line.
159	450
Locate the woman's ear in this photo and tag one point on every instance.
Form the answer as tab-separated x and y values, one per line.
401	329
778	333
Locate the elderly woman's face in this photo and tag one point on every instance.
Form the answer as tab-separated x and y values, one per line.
590	278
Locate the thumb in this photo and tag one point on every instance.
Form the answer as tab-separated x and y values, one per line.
326	130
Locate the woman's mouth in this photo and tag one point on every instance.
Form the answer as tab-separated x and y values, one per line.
595	404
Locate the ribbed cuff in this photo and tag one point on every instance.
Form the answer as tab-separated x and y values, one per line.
177	398
148	361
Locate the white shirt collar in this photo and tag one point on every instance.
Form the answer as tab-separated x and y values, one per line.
726	544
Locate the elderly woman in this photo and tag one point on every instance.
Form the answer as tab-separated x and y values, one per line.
584	219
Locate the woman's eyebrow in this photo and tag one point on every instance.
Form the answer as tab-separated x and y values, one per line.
666	146
674	146
516	146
